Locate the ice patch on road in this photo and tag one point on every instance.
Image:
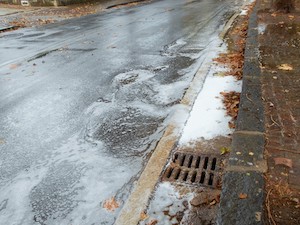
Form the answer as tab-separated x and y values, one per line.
208	117
165	93
69	187
171	50
134	76
14	197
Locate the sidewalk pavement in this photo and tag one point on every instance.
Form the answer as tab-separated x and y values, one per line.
262	182
280	59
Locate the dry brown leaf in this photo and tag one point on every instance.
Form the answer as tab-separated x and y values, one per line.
243	196
283	161
14	66
111	204
152	222
274	14
143	216
231	125
285	66
213	202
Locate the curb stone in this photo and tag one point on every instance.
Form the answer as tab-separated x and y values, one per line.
246	166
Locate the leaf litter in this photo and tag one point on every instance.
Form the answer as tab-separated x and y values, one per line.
111	204
234	61
231	101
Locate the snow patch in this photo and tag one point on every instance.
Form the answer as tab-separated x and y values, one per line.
244	12
134	76
167	205
262	28
208	117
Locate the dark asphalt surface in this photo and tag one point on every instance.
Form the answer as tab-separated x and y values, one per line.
84	101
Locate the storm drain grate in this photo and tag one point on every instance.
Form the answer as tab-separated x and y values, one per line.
200	170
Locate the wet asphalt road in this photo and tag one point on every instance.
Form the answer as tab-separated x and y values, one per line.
83	103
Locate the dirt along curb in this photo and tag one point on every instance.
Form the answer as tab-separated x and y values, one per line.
242	196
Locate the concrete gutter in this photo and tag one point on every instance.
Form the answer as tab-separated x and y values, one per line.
242	196
5	27
138	200
8	11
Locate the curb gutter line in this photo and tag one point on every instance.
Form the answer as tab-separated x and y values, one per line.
139	198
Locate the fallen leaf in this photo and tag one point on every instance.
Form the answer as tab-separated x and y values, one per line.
143	216
111	204
231	125
286	67
152	222
14	66
221	74
243	196
225	150
284	174
2	141
213	202
258	216
283	161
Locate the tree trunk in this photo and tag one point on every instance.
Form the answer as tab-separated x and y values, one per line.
283	5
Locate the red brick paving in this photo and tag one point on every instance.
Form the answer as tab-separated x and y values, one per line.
280	44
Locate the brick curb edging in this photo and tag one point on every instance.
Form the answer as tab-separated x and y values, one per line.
242	197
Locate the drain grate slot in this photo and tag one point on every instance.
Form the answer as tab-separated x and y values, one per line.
200	170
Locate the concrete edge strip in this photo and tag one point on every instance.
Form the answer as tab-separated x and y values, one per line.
4	28
139	198
246	179
229	23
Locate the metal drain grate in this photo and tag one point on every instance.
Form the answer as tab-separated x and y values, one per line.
203	170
